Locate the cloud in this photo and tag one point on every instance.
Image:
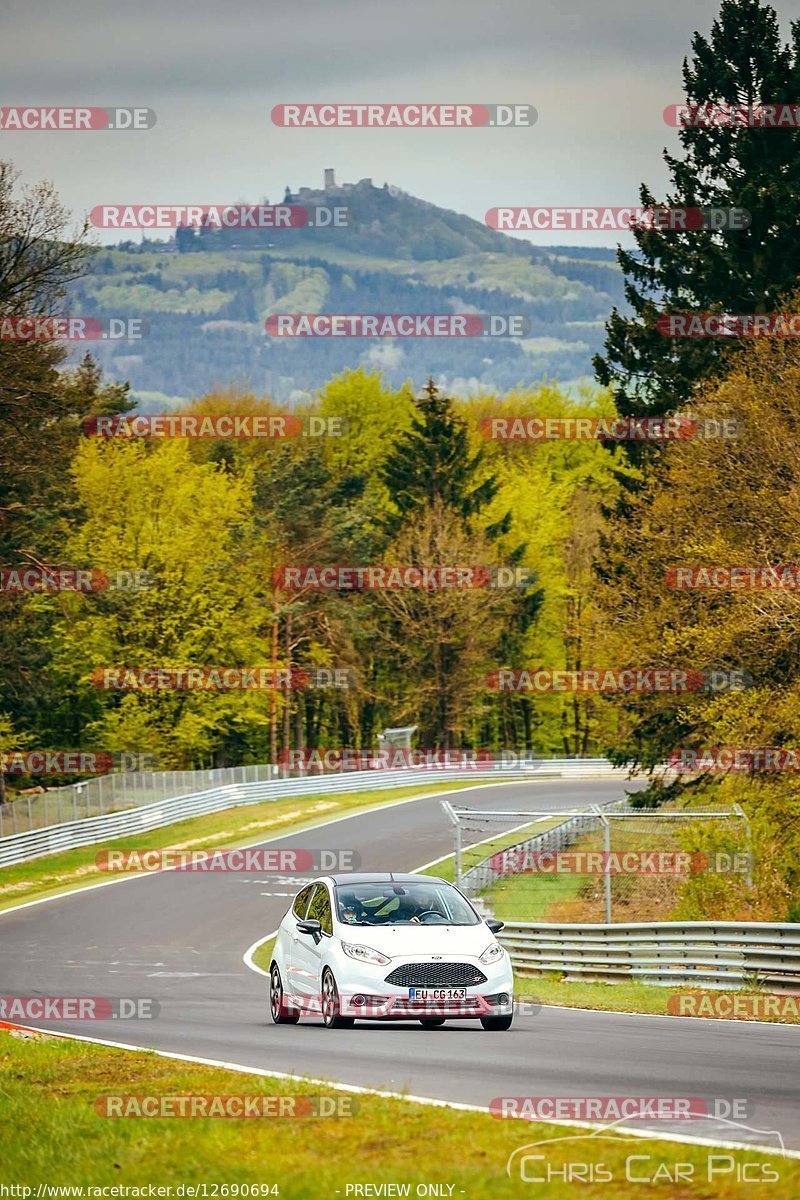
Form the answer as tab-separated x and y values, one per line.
599	74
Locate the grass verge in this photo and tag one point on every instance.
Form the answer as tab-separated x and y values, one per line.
232	827
262	957
639	997
53	1134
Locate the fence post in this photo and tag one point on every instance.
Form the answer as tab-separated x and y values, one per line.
607	865
748	843
458	854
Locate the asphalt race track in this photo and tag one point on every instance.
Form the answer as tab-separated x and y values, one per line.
179	937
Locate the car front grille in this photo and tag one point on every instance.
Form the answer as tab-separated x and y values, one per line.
436	974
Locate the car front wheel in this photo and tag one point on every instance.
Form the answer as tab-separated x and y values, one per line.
331	1004
278	1008
497	1023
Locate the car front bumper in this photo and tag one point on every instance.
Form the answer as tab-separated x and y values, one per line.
365	994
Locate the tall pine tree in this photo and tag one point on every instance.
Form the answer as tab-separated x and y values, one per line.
438	486
432	464
742	63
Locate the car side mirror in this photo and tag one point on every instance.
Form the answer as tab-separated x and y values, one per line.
311	927
494	924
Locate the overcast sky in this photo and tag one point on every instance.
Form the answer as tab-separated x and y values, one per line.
599	72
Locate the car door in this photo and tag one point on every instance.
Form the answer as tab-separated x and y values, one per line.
296	913
308	952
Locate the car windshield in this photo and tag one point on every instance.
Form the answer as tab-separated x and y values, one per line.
403	904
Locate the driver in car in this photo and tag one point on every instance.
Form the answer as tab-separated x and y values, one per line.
412	906
351	908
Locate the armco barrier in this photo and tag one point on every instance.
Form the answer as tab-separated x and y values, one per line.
710	954
36	843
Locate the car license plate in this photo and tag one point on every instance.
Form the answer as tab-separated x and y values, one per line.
437	994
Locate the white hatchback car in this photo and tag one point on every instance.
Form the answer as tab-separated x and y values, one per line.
389	947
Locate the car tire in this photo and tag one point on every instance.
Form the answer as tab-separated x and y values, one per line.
278	1008
431	1022
331	1014
497	1023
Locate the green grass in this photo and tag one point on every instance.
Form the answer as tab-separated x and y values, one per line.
262	957
620	997
52	1134
233	827
528	897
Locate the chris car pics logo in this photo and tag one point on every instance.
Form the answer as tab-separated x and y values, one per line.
616	1153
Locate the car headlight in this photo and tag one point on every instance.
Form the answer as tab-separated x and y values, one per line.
365	954
492	953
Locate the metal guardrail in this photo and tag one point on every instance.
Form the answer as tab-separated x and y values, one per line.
711	954
36	843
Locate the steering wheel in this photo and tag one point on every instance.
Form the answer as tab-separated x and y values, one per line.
430	912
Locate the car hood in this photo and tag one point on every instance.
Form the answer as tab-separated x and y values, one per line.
419	941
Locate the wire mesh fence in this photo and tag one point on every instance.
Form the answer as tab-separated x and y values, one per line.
615	863
115	792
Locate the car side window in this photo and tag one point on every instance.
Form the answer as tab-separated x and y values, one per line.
301	902
320	908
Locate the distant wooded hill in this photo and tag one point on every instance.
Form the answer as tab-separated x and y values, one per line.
206	305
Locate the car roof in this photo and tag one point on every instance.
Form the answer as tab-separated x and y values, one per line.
383	877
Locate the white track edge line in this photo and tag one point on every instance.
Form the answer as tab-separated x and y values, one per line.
648	1135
